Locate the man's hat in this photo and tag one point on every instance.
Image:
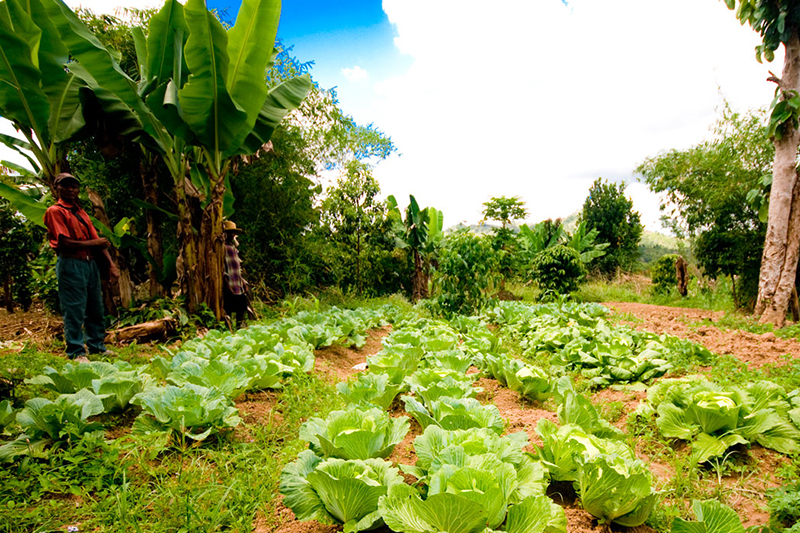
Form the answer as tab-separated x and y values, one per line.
230	225
65	176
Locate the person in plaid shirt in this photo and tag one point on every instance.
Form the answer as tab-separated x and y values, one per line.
234	290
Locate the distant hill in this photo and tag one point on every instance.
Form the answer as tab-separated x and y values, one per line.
653	245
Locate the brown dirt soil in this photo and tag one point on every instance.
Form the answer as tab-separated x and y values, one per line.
755	350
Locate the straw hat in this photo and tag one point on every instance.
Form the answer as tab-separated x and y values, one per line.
230	225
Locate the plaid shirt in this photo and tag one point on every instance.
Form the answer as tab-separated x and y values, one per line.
233	270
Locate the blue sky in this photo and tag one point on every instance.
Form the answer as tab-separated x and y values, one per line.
533	98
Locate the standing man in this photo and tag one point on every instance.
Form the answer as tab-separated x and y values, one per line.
77	244
234	291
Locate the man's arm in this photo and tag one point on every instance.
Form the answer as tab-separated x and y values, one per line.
65	243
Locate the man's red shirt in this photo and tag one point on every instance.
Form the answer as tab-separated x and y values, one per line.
62	221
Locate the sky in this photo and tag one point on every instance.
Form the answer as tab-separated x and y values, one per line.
528	98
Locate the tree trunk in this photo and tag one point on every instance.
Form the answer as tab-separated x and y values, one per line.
7	294
211	252
795	305
123	288
147	169
191	283
779	260
733	289
419	283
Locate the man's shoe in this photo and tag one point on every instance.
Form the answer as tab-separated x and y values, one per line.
82	359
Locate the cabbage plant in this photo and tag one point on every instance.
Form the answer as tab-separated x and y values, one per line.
431	384
8	416
398	362
405	511
355	433
615	488
712	517
74	377
564	446
714	419
45	423
190	411
335	491
451	413
370	389
439	450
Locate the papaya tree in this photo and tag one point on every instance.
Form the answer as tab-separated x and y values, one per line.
778	23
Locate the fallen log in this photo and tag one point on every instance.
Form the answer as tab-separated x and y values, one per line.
153	330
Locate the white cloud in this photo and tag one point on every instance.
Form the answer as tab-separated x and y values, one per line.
538	100
355	74
113	7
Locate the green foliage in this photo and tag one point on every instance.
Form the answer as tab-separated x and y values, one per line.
663	274
504	209
608	211
466	270
355	236
718	188
784	506
19	244
558	270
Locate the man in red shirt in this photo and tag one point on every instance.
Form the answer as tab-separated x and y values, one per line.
76	242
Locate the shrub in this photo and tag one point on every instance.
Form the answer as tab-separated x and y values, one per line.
558	269
663	274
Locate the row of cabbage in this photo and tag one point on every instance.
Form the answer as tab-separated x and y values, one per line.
469	476
186	395
576	338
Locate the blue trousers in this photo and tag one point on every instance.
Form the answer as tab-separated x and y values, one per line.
81	297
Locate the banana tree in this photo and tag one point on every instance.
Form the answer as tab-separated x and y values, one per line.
422	232
202	100
37	94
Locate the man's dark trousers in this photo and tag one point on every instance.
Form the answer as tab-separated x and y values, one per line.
81	304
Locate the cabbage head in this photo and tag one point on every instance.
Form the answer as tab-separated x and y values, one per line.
355	433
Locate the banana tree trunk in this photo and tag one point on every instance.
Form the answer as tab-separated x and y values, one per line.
149	175
211	266
420	281
190	280
122	289
779	260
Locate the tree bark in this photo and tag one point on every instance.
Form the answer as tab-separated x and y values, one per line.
795	305
7	294
779	260
123	288
190	281
420	282
211	264
147	169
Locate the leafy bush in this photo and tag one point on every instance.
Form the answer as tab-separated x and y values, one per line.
558	270
784	506
663	275
466	270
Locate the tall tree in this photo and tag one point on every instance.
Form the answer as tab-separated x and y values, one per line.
607	210
778	23
714	187
505	210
